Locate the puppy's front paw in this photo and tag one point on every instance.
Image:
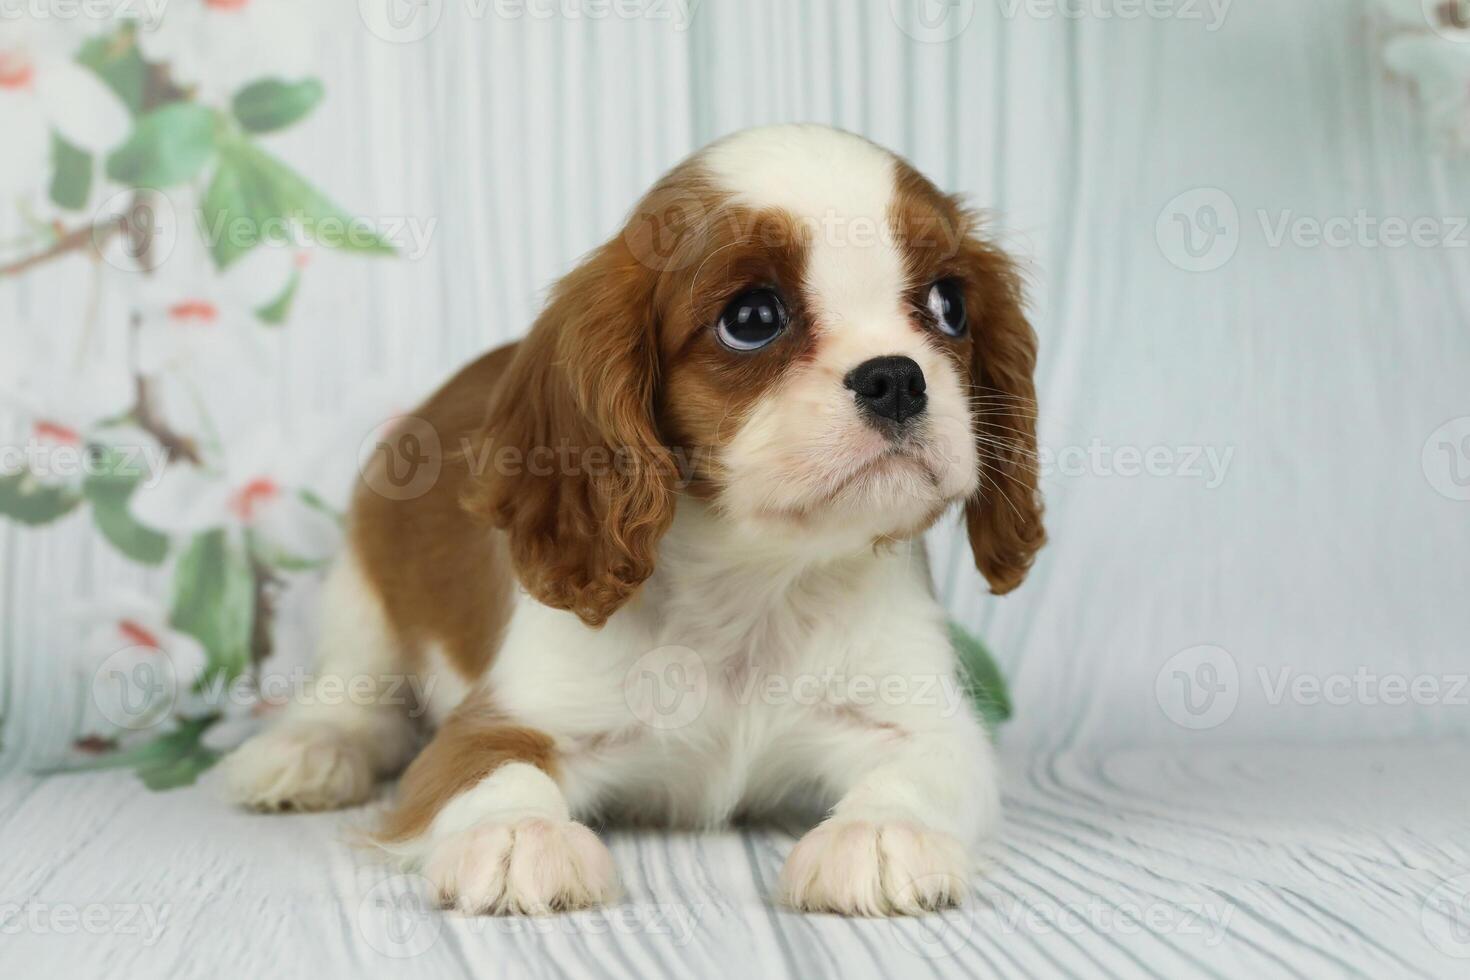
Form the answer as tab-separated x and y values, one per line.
526	868
297	766
859	868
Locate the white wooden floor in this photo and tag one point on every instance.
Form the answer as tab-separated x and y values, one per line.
1260	861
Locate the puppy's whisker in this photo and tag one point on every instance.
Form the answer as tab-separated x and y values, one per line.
1016	435
1004	451
746	240
1002	435
1002	494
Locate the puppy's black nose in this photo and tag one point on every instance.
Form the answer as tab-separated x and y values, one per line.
888	388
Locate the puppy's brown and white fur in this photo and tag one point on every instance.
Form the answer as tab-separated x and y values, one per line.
631	487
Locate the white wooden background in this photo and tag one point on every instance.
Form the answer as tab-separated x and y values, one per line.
1330	839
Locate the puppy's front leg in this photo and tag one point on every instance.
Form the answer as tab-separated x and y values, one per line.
917	792
480	812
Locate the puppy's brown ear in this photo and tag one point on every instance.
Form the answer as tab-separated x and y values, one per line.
576	473
1004	516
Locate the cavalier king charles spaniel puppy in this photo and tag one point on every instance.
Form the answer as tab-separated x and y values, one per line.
671	567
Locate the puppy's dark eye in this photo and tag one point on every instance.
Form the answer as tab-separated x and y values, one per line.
946	304
751	320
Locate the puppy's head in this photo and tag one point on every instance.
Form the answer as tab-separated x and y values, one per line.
795	326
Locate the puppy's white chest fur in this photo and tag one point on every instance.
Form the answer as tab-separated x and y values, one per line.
734	671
